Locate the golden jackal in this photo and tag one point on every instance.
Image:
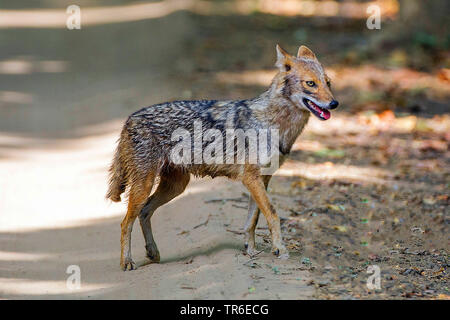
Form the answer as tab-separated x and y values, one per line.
146	147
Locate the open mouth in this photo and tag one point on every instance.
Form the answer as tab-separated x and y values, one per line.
321	113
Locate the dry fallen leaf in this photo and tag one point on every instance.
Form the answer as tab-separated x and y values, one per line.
340	228
429	200
334	207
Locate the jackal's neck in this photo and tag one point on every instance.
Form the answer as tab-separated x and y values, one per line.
275	109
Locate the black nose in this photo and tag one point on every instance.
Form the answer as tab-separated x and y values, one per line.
333	104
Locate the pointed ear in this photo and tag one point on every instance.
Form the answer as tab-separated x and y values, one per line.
283	59
305	52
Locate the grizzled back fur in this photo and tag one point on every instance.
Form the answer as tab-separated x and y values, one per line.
146	140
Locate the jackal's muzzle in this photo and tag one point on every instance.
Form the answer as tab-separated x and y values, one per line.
320	112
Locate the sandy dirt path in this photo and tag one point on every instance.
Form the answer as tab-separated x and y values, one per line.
53	215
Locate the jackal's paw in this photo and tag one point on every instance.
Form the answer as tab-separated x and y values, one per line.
251	250
128	264
153	256
152	253
281	252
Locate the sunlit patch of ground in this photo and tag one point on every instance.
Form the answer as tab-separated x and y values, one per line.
50	183
56	18
58	183
328	170
18	287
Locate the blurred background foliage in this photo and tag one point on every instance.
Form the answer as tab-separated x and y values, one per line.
143	52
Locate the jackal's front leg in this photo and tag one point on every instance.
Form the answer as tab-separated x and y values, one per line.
252	221
255	184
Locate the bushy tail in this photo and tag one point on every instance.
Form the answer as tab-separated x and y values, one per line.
117	177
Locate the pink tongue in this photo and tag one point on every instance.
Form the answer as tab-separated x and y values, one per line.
323	113
326	114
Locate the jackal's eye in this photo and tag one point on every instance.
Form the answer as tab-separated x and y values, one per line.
310	84
328	83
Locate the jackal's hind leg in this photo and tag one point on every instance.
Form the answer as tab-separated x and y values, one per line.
139	192
250	226
172	183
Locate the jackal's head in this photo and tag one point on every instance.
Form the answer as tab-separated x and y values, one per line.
304	82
